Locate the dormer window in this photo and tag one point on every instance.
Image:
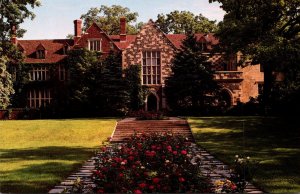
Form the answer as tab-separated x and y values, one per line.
65	49
40	52
94	45
203	46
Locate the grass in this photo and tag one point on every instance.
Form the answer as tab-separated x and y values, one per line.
274	142
35	155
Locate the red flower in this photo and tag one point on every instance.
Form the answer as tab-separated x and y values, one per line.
137	191
121	175
100	191
175	152
131	158
142	185
155	180
151	187
181	179
153	147
183	152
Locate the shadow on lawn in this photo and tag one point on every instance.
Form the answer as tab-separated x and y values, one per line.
41	168
45	153
274	142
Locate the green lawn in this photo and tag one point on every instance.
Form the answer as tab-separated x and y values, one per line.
35	155
274	142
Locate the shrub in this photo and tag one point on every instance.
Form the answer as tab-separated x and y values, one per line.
149	163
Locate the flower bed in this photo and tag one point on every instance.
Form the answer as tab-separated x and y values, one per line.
148	115
149	163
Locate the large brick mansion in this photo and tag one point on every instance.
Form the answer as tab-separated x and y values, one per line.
150	48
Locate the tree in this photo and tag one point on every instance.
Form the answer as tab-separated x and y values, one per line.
108	18
185	22
6	89
12	14
80	63
267	32
116	95
191	87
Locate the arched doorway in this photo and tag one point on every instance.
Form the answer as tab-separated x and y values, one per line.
226	99
152	103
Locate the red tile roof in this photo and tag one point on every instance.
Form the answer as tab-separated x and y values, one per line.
177	39
53	49
55	54
122	45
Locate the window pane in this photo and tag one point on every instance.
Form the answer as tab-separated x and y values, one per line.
148	61
149	79
149	70
144	79
144	70
154	79
144	54
153	69
153	54
153	61
158	61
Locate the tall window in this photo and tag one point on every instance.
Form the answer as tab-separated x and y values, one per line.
40	54
61	72
39	74
94	45
151	67
38	97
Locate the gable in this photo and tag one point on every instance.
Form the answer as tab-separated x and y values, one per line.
95	32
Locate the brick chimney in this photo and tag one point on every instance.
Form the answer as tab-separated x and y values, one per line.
77	29
14	35
122	29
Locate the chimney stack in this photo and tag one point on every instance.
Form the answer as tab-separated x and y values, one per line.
122	29
77	29
13	35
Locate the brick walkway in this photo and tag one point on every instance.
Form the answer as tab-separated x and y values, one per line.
210	166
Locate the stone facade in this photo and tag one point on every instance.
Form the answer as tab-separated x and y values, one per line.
150	38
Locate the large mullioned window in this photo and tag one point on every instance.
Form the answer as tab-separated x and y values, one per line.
39	74
37	98
151	67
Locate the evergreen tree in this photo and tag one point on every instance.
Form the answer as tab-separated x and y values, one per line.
80	64
114	85
6	89
191	86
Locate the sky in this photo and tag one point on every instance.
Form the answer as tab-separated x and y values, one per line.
54	18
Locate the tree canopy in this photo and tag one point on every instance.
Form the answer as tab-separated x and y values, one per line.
6	88
267	32
12	14
191	87
108	18
185	22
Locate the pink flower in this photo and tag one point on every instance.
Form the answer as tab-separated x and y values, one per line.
183	152
169	148
137	191
151	187
121	175
175	152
